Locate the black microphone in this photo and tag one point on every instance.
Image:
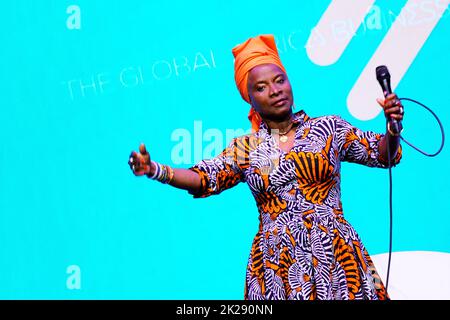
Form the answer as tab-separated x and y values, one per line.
384	79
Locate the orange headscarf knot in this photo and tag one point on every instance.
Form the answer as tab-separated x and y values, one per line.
249	54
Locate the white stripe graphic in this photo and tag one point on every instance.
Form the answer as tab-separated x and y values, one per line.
397	51
335	29
416	275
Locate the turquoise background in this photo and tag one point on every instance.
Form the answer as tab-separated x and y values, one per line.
68	197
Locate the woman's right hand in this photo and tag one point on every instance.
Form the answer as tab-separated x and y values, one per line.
140	163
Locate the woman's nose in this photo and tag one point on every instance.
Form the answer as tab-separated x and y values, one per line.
274	90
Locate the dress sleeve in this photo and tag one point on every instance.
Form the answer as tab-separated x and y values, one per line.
360	146
219	173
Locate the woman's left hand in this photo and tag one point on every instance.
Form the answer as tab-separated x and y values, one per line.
392	107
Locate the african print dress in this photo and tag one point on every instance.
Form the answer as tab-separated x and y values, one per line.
304	248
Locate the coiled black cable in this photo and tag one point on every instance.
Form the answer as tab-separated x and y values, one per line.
390	177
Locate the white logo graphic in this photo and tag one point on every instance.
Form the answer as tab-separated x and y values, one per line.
398	49
416	275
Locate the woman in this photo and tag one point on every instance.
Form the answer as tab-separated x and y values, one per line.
304	248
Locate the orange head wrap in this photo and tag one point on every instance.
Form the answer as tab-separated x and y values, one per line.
252	53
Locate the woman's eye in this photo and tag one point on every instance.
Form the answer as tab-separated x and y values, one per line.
260	89
281	80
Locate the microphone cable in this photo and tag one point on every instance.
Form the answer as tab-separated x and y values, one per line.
440	126
390	177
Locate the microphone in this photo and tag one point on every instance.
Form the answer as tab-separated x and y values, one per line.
384	79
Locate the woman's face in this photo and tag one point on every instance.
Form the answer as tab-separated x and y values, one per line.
270	92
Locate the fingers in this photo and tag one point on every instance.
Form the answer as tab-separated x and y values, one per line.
392	106
139	162
145	156
142	149
139	172
380	102
391	100
391	96
134	162
395	112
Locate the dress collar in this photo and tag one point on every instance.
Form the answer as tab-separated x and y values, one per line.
299	117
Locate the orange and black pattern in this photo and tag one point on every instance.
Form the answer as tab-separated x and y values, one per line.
304	248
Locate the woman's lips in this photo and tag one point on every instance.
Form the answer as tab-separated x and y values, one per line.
280	103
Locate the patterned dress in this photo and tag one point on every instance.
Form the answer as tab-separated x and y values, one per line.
304	248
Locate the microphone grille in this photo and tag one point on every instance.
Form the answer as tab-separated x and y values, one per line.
382	72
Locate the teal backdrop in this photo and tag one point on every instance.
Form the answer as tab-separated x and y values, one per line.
83	83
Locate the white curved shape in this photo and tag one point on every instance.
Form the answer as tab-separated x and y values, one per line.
397	51
335	29
416	275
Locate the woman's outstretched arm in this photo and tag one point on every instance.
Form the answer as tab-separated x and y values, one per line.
141	164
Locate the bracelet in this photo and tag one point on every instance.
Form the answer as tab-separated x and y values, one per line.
153	176
162	173
390	131
171	173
